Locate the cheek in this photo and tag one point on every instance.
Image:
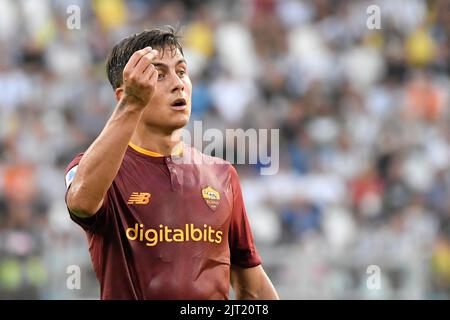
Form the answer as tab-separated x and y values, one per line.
188	86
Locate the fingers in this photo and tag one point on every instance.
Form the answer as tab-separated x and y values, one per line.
139	62
140	76
148	72
134	59
145	62
152	76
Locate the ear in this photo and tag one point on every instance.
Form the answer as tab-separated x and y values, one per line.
119	93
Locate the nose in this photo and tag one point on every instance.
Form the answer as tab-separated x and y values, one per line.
178	84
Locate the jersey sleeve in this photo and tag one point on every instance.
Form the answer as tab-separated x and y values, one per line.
242	247
90	223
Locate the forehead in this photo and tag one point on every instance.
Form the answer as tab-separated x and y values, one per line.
169	56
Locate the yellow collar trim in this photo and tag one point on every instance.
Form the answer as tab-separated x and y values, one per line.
178	150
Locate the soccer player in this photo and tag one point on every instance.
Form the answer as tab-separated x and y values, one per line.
162	222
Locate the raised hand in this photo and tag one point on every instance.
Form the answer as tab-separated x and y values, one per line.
139	77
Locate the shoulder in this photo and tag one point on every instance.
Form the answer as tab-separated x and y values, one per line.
216	164
202	158
224	165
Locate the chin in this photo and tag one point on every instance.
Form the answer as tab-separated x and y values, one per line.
179	121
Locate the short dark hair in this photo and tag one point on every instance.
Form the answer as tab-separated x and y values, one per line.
156	38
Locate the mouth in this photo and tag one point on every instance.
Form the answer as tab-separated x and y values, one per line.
179	104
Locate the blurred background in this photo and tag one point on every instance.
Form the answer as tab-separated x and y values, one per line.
363	115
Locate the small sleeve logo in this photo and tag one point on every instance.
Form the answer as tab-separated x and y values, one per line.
70	175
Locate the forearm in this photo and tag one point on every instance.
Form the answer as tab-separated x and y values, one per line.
265	291
101	161
252	284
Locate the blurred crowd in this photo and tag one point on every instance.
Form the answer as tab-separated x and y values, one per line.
364	176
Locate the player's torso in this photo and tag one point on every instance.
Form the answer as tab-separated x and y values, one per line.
172	221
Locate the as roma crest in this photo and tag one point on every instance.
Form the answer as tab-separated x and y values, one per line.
211	197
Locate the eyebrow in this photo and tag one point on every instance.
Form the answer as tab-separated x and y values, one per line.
165	66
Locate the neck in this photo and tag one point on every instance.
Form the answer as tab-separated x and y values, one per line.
156	140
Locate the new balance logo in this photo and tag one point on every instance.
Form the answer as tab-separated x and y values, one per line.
139	198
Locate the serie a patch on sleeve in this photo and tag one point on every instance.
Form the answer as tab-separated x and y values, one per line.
70	175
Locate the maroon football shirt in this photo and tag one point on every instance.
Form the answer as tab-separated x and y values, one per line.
169	229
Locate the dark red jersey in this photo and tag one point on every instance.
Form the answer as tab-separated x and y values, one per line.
169	227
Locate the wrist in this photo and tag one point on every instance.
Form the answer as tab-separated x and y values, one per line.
130	103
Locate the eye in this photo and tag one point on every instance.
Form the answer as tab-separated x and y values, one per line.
161	75
181	73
